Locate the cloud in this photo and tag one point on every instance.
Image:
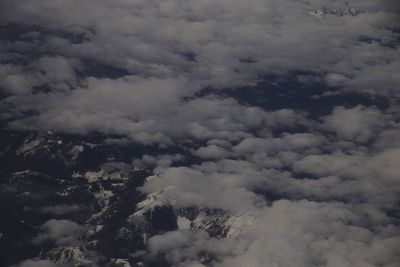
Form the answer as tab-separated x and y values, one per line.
385	166
56	69
340	212
311	234
149	112
210	152
218	44
323	165
56	72
304	232
298	141
61	231
37	263
13	81
185	187
358	124
320	192
61	209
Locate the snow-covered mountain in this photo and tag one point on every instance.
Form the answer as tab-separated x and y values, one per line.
58	177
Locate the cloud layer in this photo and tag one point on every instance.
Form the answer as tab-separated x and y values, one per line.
299	187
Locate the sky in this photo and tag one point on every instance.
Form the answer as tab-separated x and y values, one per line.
291	109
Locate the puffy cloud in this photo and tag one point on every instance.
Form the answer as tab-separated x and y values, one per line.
311	234
385	167
219	43
340	213
56	72
185	187
358	124
304	232
387	138
14	82
61	231
149	112
56	68
323	165
299	141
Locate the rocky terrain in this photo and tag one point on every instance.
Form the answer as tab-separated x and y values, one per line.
50	177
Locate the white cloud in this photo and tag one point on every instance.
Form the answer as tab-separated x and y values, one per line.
185	187
61	231
358	124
